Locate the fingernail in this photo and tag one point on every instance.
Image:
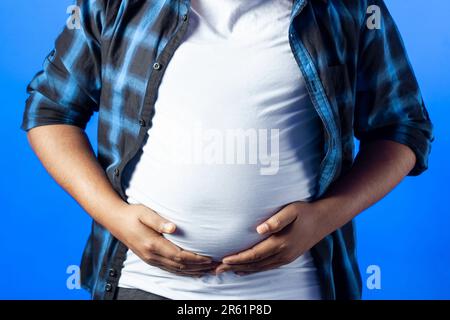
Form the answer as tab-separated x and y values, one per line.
168	227
263	228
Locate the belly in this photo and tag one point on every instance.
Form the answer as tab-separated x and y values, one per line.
216	194
211	232
216	208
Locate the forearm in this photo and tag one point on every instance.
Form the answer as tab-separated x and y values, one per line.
67	155
378	168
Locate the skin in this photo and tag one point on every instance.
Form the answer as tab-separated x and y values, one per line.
67	155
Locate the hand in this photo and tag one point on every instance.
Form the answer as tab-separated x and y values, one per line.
295	229
140	229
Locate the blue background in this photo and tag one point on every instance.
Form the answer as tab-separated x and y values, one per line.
43	231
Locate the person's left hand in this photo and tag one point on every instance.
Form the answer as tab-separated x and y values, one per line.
294	230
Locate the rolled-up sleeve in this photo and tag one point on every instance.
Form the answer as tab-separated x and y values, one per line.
389	104
67	89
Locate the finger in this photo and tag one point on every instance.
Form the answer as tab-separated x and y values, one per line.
278	221
153	220
260	251
184	267
167	249
155	259
184	274
267	264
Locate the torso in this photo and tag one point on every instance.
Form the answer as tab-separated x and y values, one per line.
234	75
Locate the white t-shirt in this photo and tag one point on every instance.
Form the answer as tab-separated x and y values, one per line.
234	138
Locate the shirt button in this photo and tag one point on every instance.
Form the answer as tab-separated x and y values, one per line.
108	287
116	172
185	17
156	66
142	122
112	273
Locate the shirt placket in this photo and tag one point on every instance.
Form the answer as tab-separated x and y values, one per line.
330	163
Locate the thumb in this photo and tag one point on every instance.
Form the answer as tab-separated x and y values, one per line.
278	221
154	221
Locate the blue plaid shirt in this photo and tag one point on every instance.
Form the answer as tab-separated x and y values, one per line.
359	80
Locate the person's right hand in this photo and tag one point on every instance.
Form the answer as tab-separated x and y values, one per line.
141	228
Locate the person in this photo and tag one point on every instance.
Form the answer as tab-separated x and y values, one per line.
226	166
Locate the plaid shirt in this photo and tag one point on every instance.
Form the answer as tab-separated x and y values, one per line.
358	78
